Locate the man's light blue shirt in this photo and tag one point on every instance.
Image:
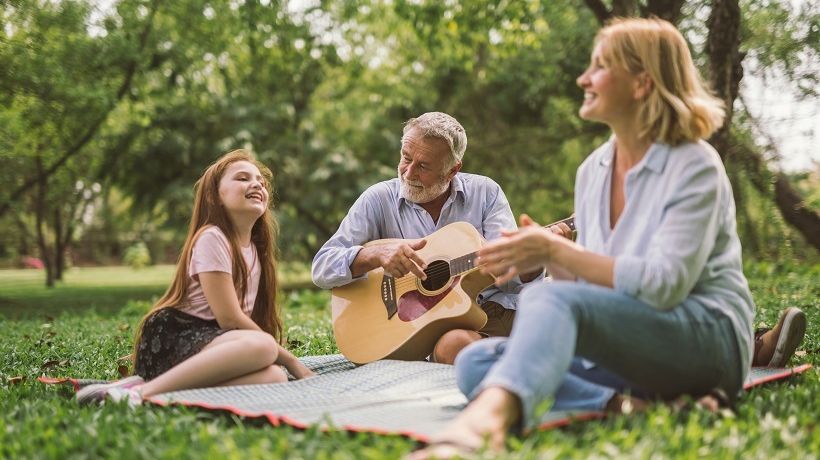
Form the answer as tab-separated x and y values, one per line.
381	212
676	239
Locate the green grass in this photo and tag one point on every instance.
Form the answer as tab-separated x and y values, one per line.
99	289
39	421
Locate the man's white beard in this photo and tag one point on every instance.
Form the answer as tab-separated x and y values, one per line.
424	194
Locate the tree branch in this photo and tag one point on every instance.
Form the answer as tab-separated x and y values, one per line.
89	134
599	10
664	9
791	205
625	8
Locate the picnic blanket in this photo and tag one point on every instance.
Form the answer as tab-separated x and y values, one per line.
414	399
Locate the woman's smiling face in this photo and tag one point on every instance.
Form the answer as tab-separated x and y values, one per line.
609	92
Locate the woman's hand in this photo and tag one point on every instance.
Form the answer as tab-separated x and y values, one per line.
519	251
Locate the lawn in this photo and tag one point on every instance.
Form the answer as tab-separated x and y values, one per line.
99	289
83	325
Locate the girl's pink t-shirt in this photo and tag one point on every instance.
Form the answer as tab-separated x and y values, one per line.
212	253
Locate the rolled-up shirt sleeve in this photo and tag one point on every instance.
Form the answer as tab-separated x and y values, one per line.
498	216
680	247
331	265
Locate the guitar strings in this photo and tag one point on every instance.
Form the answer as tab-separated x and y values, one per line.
411	278
433	272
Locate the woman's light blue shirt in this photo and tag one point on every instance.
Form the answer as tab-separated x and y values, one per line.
676	239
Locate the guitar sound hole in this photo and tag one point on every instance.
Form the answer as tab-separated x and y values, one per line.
438	274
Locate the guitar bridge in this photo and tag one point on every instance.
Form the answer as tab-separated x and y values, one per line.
389	295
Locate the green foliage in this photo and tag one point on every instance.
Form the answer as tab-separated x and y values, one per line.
137	255
319	91
784	38
38	421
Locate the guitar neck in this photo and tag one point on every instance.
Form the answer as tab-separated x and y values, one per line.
466	262
570	221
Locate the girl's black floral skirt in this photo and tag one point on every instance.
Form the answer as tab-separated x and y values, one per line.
170	336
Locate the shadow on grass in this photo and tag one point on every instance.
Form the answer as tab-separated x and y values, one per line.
106	300
101	290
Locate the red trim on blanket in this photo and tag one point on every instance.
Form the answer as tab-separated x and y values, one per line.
58	380
778	376
278	420
582	417
272	418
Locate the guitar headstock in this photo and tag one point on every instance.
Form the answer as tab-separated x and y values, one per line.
569	221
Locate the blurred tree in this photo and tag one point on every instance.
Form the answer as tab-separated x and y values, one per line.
724	34
141	97
59	84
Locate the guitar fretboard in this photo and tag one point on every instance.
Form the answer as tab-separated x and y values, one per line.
466	262
463	264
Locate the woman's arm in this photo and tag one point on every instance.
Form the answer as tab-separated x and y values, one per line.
532	247
572	259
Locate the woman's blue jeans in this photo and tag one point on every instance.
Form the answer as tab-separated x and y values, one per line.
649	352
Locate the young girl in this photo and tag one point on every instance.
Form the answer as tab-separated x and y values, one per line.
653	291
218	323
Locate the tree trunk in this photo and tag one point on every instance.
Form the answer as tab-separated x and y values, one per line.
664	9
40	211
795	210
59	247
726	71
625	8
790	204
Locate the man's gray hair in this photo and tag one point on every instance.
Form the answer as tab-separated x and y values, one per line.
441	126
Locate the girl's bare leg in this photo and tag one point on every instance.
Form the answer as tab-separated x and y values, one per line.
245	354
272	374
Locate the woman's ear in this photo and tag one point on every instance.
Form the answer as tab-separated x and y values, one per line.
643	85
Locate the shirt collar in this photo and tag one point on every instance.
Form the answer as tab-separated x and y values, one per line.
654	160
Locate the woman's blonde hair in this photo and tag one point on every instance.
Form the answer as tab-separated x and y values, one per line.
208	211
679	107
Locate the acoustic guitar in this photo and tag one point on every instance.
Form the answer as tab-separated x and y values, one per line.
383	317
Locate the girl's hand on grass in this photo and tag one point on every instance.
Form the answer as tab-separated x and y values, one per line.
300	371
293	365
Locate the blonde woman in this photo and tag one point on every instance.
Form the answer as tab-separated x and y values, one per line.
653	290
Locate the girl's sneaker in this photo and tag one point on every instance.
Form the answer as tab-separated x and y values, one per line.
97	393
132	396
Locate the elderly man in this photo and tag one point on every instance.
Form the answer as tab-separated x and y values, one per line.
429	193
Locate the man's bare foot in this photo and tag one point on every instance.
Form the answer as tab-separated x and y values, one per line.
707	403
483	424
623	404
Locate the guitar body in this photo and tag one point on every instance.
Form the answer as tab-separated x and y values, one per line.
380	317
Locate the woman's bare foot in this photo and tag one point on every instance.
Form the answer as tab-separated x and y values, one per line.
482	424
